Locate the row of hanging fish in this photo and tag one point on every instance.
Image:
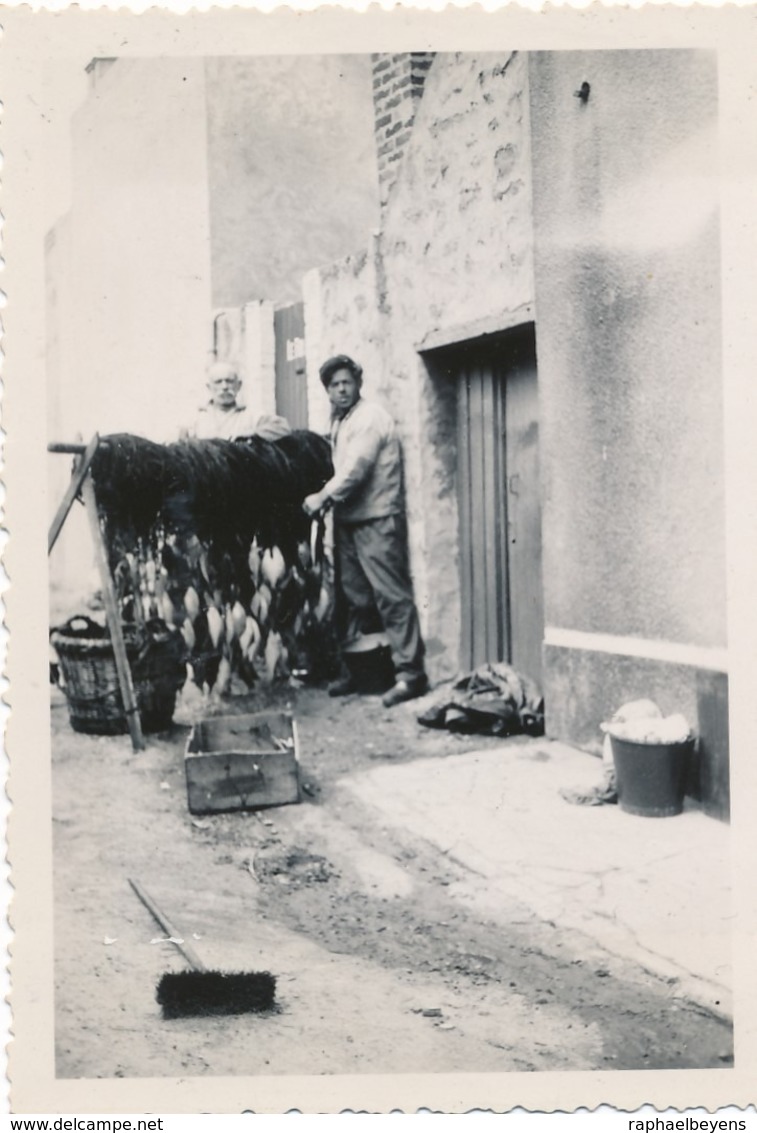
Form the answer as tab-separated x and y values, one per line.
202	534
237	618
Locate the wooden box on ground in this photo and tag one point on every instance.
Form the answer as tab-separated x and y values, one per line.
242	762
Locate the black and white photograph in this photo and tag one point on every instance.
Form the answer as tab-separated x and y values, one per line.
383	655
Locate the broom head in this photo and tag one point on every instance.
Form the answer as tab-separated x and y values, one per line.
215	993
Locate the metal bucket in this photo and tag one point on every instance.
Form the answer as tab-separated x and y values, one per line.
651	777
369	663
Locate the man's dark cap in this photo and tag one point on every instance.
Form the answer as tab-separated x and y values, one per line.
340	362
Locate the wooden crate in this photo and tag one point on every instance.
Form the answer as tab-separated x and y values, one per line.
242	762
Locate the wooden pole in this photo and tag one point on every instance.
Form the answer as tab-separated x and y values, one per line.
78	475
114	617
73	447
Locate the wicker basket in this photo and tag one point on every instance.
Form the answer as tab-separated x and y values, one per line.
90	677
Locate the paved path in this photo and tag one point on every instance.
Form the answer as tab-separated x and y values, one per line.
652	890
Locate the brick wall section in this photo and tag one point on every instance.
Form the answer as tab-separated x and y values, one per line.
398	82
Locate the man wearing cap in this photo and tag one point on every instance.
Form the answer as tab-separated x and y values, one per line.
225	417
370	526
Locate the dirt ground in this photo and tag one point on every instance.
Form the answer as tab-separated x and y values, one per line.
379	968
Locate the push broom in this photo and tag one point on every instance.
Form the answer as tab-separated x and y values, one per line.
201	991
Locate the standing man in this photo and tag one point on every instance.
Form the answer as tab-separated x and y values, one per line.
225	417
370	526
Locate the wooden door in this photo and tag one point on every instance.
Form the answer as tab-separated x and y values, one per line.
499	504
291	378
483	534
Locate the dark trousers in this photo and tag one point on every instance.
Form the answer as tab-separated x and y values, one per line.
374	578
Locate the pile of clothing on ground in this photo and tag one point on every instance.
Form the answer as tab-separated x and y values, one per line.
493	700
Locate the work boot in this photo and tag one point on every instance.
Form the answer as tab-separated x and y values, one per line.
405	689
343	686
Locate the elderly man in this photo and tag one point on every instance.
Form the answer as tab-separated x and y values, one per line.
225	417
370	526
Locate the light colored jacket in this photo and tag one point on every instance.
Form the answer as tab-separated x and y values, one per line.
367	480
228	424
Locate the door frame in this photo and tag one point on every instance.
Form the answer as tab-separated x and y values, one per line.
290	367
492	350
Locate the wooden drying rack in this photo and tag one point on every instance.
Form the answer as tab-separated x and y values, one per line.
82	485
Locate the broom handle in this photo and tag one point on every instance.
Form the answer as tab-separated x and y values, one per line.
186	949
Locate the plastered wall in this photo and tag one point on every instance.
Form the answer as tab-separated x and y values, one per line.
128	282
291	167
627	267
628	340
139	252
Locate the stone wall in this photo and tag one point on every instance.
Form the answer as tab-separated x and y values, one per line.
457	234
344	314
453	262
457	255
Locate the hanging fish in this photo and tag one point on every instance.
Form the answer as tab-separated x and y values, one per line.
324	601
167	611
253	561
251	638
188	633
274	653
260	605
192	603
231	629
245	636
273	567
150	573
240	617
256	640
204	567
215	626
223	680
